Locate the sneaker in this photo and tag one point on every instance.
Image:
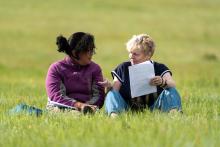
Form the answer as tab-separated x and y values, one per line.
87	110
113	115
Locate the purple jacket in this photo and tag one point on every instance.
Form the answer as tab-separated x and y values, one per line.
68	82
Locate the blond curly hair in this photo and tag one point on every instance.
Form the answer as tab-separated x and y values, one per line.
141	42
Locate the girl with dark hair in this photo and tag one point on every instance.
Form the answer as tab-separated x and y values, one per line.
72	83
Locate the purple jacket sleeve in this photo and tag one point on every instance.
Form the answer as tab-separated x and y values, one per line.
98	91
55	88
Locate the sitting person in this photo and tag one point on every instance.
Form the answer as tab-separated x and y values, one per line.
141	48
72	83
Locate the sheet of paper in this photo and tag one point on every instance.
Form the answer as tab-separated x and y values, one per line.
140	75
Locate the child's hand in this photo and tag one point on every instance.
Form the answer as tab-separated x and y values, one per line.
156	81
106	83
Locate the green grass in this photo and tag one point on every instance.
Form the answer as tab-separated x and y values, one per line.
187	37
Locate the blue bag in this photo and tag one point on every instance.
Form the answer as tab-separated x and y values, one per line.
24	108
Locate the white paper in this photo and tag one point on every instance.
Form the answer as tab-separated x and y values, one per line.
140	75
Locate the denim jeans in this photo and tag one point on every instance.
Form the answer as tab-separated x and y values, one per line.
167	100
114	102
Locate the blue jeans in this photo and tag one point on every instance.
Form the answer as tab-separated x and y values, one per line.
114	102
167	100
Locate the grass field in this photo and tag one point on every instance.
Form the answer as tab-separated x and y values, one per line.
187	37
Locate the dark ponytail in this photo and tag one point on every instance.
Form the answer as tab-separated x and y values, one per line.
63	45
79	42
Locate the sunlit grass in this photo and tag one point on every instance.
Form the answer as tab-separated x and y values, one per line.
187	38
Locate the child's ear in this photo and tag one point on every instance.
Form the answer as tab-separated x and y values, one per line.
150	54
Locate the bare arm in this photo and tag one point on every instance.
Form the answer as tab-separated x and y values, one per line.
166	80
169	80
116	84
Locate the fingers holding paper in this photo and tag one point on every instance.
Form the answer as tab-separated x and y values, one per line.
156	81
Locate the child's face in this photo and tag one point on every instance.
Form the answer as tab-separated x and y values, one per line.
85	58
137	56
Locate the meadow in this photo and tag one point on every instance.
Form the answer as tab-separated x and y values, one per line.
187	38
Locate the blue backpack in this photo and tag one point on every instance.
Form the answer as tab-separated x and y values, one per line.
23	108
